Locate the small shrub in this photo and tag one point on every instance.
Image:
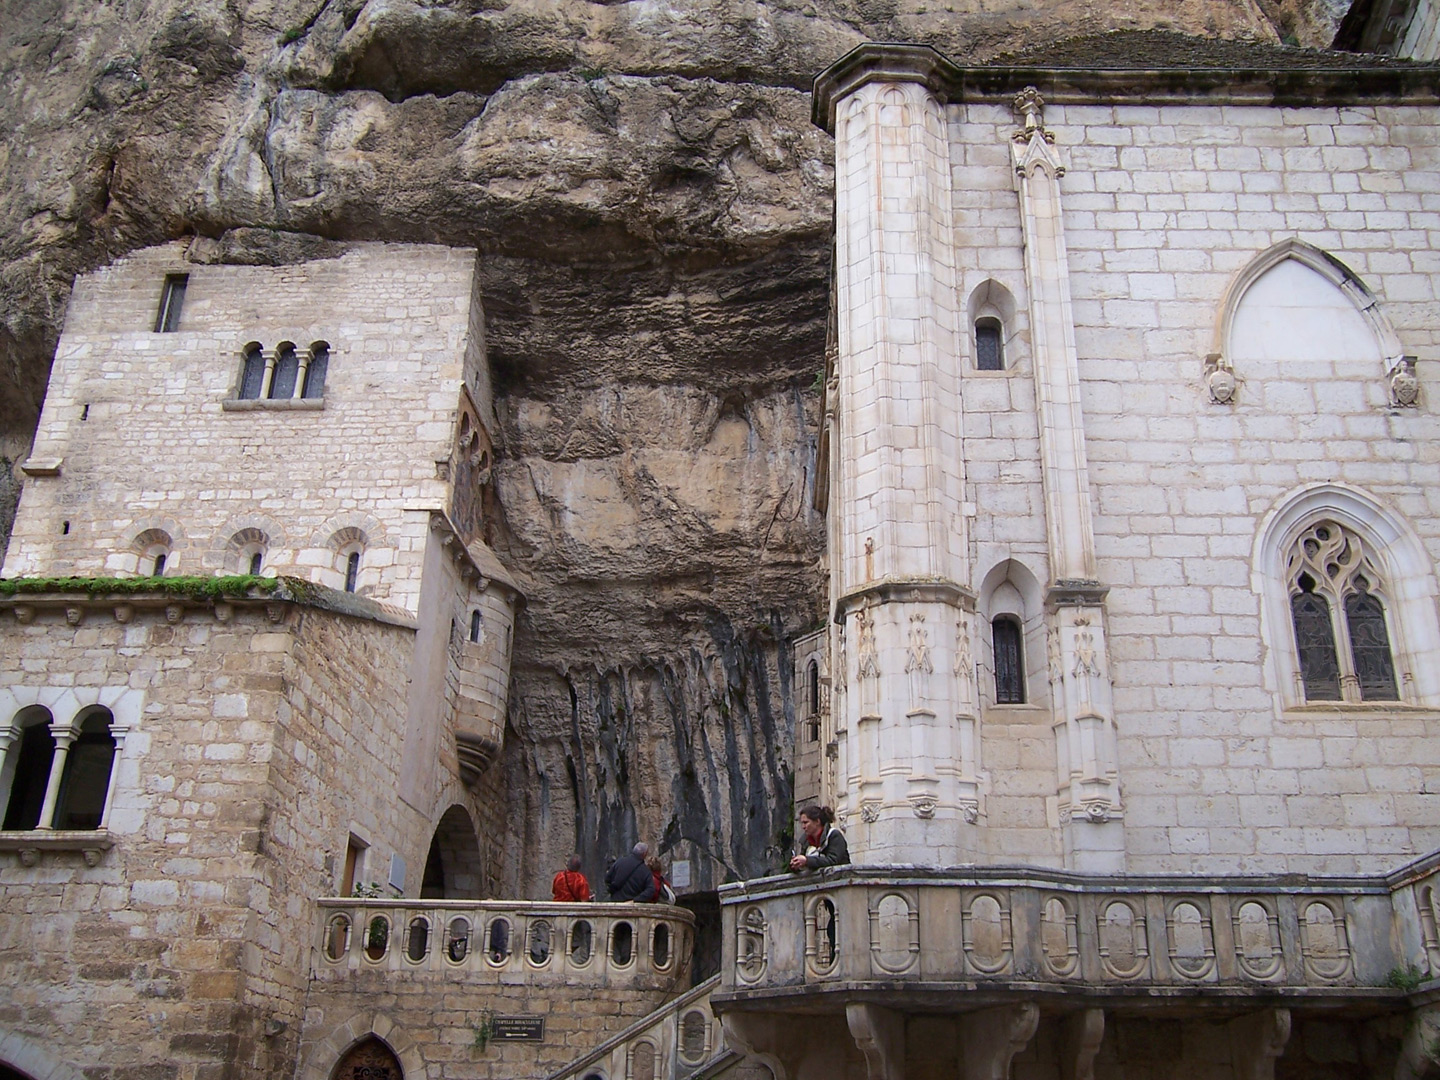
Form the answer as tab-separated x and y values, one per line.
1407	978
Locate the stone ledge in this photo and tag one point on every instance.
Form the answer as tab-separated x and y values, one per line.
281	404
37	466
30	843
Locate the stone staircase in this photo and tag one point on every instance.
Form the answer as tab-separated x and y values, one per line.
681	1040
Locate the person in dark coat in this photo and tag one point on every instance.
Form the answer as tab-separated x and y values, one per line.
824	844
630	879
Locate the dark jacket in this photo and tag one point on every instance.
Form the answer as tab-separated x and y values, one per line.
631	879
833	851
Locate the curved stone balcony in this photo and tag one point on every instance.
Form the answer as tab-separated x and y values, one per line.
509	942
913	938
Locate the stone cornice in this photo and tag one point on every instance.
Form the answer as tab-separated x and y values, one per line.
906	590
78	604
955	83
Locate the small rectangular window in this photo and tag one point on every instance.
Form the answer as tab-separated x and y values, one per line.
989	353
172	299
1009	666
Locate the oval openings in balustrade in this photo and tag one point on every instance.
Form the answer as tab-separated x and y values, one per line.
539	942
622	944
418	947
499	948
377	938
580	938
660	946
457	940
337	937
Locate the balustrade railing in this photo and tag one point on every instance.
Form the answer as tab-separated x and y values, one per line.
605	944
674	1041
1027	928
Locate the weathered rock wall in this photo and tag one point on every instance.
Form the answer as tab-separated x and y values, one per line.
653	211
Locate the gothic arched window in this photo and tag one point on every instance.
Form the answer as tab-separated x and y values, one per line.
1342	638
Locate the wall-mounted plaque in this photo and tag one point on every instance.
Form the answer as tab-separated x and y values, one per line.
517	1028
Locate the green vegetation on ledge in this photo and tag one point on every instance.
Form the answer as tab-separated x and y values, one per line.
196	588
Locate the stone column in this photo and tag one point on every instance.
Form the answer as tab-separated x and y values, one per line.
905	720
1085	743
118	732
64	736
10	734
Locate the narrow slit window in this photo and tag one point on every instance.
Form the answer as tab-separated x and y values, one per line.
252	373
159	570
257	559
172	299
814	673
315	372
352	571
287	367
1009	664
989	346
477	625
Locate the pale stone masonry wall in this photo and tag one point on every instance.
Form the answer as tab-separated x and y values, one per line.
260	748
1163	207
135	420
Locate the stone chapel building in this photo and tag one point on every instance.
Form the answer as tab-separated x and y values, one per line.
1129	700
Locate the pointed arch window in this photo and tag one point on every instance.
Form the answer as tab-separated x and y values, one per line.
1338	611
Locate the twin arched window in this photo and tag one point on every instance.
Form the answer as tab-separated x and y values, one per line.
1342	637
59	774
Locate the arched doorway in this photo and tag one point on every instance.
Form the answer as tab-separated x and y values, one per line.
453	869
369	1059
7	1073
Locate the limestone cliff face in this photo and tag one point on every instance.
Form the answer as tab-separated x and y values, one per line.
654	209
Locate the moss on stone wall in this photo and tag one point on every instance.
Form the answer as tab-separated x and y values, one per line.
196	588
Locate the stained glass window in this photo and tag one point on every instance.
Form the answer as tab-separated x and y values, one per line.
1370	647
1315	641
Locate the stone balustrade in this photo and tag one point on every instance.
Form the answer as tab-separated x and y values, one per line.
676	1040
1005	930
600	945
